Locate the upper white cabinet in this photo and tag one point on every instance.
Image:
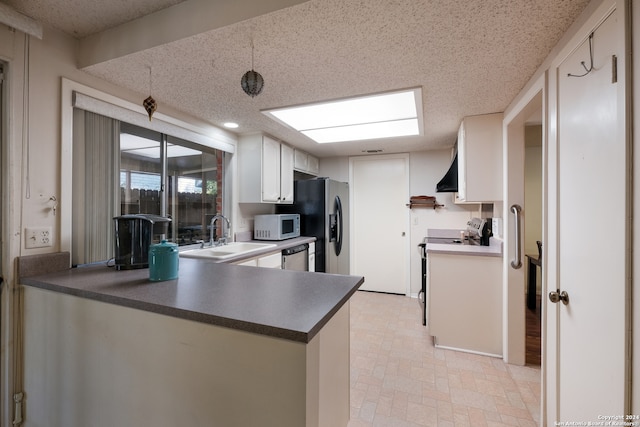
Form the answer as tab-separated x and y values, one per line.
286	174
265	169
480	159
305	162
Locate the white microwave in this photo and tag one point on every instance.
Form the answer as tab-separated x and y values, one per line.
276	226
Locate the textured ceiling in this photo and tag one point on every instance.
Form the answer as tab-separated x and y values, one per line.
469	57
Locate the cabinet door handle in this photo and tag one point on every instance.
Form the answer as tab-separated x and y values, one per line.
517	262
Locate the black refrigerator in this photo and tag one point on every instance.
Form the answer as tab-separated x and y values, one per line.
323	205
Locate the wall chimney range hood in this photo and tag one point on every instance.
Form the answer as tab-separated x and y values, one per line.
449	183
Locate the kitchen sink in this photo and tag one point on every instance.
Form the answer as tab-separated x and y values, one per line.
226	251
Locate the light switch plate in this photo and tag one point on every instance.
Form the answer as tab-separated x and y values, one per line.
38	237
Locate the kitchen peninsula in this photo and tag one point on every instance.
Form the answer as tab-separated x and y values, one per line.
221	345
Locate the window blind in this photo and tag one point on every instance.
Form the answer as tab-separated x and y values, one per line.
219	140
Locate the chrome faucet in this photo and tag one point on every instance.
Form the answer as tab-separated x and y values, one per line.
225	236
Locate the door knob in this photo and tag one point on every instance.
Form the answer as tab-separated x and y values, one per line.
556	296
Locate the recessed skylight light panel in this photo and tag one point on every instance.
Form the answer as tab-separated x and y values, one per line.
385	115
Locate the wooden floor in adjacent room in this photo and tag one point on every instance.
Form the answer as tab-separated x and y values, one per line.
398	377
533	326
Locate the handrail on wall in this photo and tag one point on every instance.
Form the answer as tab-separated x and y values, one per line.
517	262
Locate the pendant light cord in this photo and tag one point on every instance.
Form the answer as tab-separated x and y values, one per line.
252	54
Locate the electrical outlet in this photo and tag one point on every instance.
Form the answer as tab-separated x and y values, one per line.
38	237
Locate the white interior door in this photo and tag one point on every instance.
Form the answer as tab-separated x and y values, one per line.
587	355
379	222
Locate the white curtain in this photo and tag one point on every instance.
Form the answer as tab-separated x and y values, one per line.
96	183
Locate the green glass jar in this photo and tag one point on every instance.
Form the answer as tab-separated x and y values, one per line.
163	261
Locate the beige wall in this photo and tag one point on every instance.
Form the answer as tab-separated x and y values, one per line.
49	60
426	168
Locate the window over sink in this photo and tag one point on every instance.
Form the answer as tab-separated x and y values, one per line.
121	168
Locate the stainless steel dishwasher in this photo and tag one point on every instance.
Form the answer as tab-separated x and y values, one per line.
296	258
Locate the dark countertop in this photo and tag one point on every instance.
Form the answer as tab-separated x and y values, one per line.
292	305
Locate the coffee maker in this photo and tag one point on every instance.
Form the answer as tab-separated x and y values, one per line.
134	234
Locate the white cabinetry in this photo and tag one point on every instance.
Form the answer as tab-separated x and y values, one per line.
314	164
265	169
253	262
312	256
465	302
273	260
305	162
480	159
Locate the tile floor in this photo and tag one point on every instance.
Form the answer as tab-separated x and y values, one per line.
398	378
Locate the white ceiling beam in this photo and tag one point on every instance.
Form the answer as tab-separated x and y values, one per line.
183	20
20	22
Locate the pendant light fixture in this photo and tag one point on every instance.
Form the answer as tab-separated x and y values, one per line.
150	104
252	82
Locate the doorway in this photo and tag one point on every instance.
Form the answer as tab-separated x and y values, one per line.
380	222
533	237
526	121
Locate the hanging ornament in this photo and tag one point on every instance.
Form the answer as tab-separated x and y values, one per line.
150	105
252	82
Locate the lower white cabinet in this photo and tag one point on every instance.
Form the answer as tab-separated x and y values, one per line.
465	302
267	261
253	262
271	261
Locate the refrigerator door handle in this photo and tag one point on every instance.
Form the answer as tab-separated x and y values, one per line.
339	225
